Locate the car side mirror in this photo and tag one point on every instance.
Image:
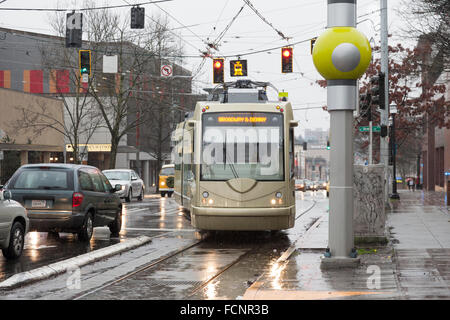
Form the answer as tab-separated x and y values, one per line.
133	178
117	187
7	195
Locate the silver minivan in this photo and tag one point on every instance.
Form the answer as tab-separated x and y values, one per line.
14	226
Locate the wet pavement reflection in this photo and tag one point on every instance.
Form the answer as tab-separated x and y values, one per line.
194	273
151	217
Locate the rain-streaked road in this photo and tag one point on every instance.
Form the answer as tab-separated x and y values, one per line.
216	264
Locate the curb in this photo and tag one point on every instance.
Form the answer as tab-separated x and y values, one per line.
72	263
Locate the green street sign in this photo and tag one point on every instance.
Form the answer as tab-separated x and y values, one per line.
367	129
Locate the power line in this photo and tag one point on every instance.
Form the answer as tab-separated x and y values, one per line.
250	5
82	9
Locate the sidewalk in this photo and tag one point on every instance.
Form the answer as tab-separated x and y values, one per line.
415	264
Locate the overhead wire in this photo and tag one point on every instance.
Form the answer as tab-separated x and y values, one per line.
82	9
251	6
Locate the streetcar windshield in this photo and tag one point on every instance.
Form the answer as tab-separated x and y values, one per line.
242	145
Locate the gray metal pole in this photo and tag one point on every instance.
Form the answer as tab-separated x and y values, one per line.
340	233
341	55
384	114
341	103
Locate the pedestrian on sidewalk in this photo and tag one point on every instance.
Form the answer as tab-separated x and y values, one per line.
407	183
411	184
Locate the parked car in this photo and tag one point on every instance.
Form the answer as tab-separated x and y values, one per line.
14	225
299	185
131	185
67	198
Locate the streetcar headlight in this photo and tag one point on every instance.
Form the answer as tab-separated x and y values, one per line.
210	201
205	194
278	195
273	201
163	183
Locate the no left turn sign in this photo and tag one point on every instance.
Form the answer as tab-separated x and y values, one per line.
166	70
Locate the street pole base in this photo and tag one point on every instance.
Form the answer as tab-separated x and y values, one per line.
394	196
339	262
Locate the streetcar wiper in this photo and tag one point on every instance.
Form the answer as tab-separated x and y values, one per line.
225	161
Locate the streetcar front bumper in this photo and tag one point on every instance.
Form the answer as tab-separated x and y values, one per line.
243	219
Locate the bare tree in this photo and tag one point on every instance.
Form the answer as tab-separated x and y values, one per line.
430	18
130	101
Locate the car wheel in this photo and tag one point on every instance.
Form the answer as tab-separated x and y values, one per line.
16	242
163	194
116	225
169	194
141	195
129	196
85	234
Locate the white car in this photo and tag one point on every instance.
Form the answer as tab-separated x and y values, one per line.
14	226
132	185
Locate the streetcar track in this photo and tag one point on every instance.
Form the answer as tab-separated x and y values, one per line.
205	283
140	269
180	251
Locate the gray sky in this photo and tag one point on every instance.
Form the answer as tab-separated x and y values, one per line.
206	19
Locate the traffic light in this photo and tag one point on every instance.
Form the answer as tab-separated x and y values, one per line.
286	60
328	145
137	17
377	90
85	62
218	71
365	109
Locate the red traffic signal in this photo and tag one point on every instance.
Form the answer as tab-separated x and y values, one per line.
218	71
286	60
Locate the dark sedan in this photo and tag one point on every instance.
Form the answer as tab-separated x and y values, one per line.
67	198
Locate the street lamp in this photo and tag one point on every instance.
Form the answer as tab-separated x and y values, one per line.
393	112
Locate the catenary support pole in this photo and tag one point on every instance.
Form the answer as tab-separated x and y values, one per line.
341	55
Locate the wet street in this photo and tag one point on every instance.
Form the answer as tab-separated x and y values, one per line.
179	263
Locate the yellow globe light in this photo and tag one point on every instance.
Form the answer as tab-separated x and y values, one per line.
341	53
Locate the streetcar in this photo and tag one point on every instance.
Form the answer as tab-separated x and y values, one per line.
234	162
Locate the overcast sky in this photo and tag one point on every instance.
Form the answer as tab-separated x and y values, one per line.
204	20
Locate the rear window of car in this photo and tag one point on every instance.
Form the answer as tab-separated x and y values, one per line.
43	178
167	171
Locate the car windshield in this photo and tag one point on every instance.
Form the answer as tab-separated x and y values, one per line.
169	171
43	178
117	175
242	145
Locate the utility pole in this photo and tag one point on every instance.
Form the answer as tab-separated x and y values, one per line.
341	55
384	114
